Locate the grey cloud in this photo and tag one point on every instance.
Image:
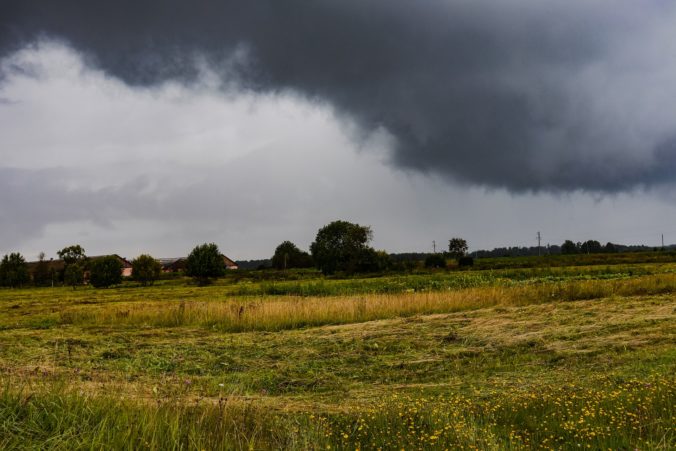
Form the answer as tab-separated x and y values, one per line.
33	199
523	95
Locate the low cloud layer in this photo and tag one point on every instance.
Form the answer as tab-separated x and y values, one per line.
523	95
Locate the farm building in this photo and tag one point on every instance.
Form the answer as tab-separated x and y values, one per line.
57	266
53	269
229	264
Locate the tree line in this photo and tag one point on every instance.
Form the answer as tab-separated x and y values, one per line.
343	247
102	272
339	247
77	269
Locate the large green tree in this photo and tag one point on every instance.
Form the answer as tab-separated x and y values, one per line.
457	247
75	261
72	254
287	255
13	271
205	263
343	246
145	269
105	271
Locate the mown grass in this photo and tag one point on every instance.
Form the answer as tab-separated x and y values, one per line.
290	312
514	362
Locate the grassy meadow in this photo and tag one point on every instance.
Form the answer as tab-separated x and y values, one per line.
580	354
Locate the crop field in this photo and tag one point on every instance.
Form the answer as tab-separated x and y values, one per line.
543	357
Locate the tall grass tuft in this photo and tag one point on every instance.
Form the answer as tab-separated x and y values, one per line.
57	419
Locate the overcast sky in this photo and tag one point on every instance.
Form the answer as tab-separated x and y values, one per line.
153	126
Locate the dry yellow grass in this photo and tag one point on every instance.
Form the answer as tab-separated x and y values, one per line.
293	312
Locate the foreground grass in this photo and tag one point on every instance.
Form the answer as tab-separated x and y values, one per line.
612	415
60	420
538	362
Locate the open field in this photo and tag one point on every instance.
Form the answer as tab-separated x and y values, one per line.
519	358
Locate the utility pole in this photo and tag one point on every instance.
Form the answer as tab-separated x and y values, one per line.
434	246
539	237
663	241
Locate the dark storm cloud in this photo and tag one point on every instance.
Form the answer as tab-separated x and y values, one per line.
525	95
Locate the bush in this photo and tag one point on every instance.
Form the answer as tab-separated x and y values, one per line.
435	261
371	260
466	261
105	271
145	269
204	263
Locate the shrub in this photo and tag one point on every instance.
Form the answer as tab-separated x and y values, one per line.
371	260
467	260
435	261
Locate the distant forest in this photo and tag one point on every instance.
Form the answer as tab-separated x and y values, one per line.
567	248
592	247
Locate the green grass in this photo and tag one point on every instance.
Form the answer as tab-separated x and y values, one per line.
58	420
509	359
